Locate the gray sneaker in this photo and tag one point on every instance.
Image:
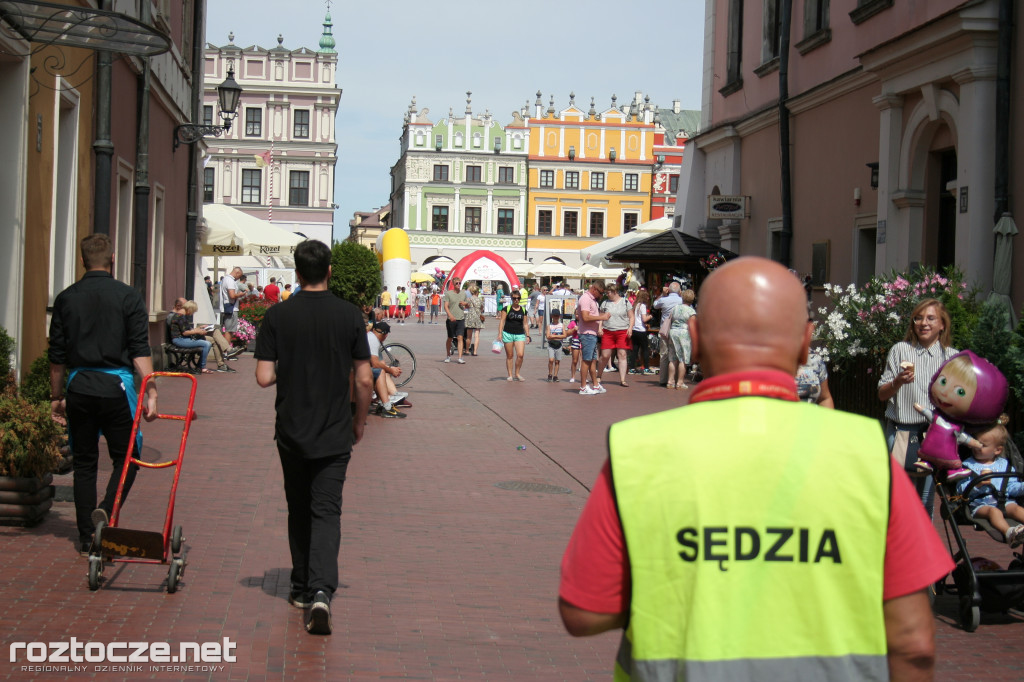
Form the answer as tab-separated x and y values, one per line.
227	370
99	516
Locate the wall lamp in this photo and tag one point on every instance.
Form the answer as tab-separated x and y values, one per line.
572	152
228	94
611	154
874	174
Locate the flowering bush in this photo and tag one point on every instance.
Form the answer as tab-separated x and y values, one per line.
869	320
253	312
246	332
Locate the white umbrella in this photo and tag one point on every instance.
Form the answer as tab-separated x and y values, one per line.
230	232
521	267
445	263
554	269
595	255
588	271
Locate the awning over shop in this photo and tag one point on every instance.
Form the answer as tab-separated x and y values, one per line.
671	247
72	26
598	253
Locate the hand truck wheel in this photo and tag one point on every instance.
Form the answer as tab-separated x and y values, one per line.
173	574
95	568
176	539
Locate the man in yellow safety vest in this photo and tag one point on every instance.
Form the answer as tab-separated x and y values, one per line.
747	535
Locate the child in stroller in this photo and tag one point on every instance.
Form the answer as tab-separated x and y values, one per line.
981	498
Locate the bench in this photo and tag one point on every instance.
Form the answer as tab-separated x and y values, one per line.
180	359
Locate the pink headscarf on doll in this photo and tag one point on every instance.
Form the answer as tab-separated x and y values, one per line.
991	394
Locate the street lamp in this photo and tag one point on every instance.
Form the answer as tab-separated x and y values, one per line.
228	94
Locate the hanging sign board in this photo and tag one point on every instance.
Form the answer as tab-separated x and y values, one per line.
723	206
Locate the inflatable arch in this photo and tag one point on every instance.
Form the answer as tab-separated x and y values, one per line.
483	265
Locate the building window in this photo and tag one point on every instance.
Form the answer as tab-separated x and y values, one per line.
208	115
298	188
772	31
673	184
572	179
597	224
252	185
570	224
734	49
544	222
632	182
473	219
507	175
547	178
301	127
815	16
775	239
629	221
506	220
208	185
473	174
597	181
441	173
439	219
253	122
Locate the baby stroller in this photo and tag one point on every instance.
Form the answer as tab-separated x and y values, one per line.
981	585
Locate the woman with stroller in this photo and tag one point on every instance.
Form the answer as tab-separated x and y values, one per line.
906	380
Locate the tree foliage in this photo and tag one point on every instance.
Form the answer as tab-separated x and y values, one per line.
355	273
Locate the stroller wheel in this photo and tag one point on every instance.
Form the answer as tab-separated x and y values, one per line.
970	615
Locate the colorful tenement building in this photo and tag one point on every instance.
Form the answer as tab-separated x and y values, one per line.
277	162
547	184
590	173
460	184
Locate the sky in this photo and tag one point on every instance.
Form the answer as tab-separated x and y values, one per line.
392	50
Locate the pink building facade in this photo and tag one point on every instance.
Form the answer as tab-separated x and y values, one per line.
277	162
893	136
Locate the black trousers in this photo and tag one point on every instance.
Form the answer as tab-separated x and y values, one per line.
639	349
312	488
87	417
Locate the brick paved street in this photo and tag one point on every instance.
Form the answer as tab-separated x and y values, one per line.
445	575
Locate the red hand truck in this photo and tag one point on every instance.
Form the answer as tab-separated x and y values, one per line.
112	543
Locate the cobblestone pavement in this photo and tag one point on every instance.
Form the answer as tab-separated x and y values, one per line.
445	574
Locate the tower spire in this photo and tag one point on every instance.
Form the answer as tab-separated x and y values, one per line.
327	42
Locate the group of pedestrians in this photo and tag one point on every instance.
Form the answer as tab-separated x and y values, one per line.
787	572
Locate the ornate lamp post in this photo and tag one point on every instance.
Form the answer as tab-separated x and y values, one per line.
228	94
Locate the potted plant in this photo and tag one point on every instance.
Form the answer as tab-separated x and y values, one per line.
29	453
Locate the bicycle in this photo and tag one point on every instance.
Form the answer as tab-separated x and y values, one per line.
399	355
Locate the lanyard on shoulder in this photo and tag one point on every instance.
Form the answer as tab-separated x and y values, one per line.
764	383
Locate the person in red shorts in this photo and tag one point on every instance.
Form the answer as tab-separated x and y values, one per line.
720	535
617	334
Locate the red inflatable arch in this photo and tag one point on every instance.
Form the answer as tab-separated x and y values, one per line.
483	265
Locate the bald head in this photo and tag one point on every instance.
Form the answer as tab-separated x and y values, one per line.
752	315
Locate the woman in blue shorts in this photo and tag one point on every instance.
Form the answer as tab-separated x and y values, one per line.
513	333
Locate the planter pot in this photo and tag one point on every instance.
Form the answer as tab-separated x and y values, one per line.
24	501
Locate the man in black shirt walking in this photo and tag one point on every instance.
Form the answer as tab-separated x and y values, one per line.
310	346
99	331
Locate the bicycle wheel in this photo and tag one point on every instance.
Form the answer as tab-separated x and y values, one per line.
398	355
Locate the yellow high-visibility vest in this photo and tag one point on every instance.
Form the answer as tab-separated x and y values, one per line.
756	532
